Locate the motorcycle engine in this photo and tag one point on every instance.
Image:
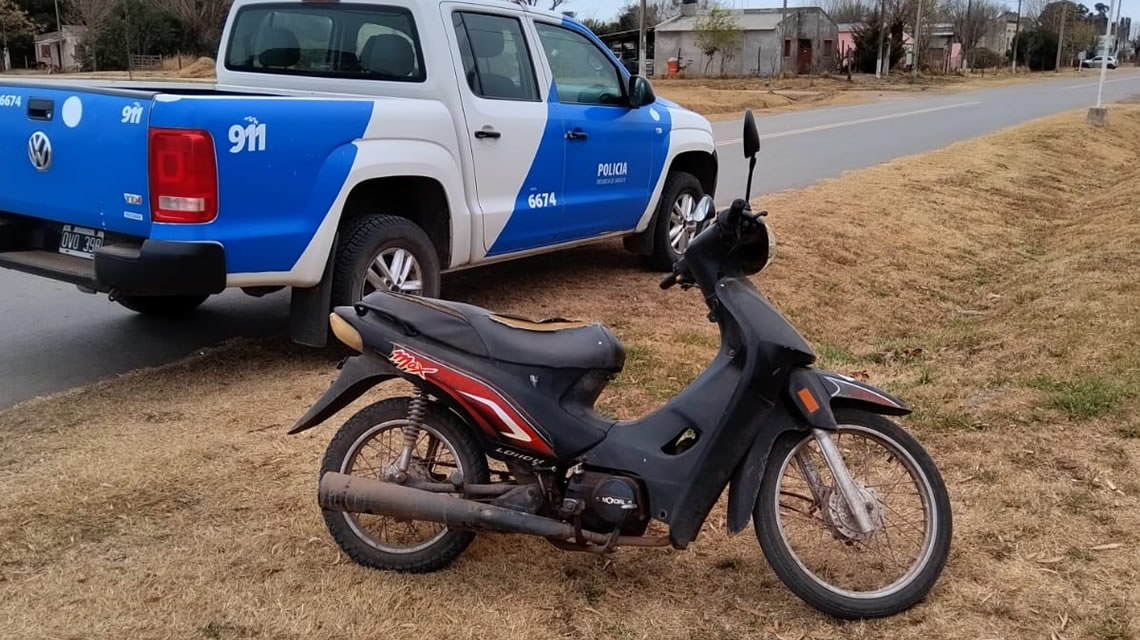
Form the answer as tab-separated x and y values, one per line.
607	501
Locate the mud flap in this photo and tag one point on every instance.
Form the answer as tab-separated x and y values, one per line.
358	374
309	308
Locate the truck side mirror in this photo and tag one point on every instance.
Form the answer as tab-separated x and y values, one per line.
640	92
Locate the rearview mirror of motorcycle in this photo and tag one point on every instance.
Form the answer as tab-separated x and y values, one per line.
702	211
751	148
751	136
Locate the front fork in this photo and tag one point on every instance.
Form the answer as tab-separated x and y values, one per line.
856	500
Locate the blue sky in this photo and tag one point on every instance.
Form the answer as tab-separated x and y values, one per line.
607	9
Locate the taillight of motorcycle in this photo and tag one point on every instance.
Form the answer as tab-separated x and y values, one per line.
183	176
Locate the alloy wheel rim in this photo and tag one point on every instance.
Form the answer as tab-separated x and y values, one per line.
395	269
680	234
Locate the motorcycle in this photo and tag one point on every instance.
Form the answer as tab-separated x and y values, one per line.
849	510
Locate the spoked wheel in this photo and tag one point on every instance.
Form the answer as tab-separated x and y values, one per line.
371	445
814	543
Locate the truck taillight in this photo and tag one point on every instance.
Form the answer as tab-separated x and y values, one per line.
183	176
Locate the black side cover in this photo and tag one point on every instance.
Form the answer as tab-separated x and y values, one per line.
746	479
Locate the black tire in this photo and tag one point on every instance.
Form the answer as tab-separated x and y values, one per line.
363	238
164	306
800	582
442	551
678	183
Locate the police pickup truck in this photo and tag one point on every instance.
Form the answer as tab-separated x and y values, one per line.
347	146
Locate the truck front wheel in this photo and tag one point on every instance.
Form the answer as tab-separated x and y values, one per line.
167	306
681	194
381	252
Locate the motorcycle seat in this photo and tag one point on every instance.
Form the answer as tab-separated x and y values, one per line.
555	344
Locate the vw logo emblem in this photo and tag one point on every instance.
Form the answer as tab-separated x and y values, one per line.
39	151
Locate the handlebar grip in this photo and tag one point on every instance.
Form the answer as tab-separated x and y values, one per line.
670	280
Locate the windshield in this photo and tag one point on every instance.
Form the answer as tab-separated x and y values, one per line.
329	40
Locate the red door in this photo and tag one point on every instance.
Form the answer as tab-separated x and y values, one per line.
803	58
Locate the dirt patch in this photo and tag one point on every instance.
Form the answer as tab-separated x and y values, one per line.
987	283
201	68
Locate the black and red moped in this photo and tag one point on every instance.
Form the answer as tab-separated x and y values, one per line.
849	509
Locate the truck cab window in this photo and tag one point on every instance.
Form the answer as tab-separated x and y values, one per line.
583	72
495	57
331	40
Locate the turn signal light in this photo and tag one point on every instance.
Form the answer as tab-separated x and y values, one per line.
183	176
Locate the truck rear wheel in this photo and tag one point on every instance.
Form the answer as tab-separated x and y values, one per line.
382	252
167	306
671	237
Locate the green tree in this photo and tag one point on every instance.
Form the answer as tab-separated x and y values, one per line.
866	37
14	21
717	32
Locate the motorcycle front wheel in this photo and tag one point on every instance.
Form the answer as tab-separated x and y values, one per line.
816	547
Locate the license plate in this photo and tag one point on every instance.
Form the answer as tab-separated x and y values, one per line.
80	241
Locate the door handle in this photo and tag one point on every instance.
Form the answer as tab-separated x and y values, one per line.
577	134
488	134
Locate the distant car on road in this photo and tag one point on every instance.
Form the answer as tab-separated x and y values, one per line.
1097	61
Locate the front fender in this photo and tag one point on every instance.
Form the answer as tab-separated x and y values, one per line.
358	374
849	392
744	487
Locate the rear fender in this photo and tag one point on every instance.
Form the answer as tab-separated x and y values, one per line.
358	374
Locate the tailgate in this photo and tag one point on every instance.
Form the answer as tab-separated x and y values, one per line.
75	155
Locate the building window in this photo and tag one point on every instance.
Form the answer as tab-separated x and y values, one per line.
787	48
827	52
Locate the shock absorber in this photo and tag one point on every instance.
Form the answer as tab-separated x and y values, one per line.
417	408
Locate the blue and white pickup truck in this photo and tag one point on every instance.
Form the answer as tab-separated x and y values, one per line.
347	146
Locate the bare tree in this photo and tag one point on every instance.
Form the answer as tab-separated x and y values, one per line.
92	14
970	19
551	4
843	11
717	32
203	18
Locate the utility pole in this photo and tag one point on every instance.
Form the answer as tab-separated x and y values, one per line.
1098	115
1061	39
784	34
59	28
882	32
1104	56
917	40
643	64
968	27
1016	31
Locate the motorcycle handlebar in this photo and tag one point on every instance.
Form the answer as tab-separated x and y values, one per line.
670	280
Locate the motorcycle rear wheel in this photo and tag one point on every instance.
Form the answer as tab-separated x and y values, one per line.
848	589
381	542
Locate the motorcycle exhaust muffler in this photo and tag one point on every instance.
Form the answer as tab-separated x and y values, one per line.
340	492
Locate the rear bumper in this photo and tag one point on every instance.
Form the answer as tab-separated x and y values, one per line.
127	265
162	268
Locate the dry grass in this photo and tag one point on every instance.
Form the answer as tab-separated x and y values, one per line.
988	283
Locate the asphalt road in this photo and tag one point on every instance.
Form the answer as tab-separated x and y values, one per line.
52	337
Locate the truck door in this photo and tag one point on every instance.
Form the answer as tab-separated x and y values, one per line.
610	149
517	151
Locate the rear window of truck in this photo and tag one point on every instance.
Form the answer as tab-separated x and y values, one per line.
370	42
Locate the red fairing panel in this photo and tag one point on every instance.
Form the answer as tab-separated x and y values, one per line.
490	409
